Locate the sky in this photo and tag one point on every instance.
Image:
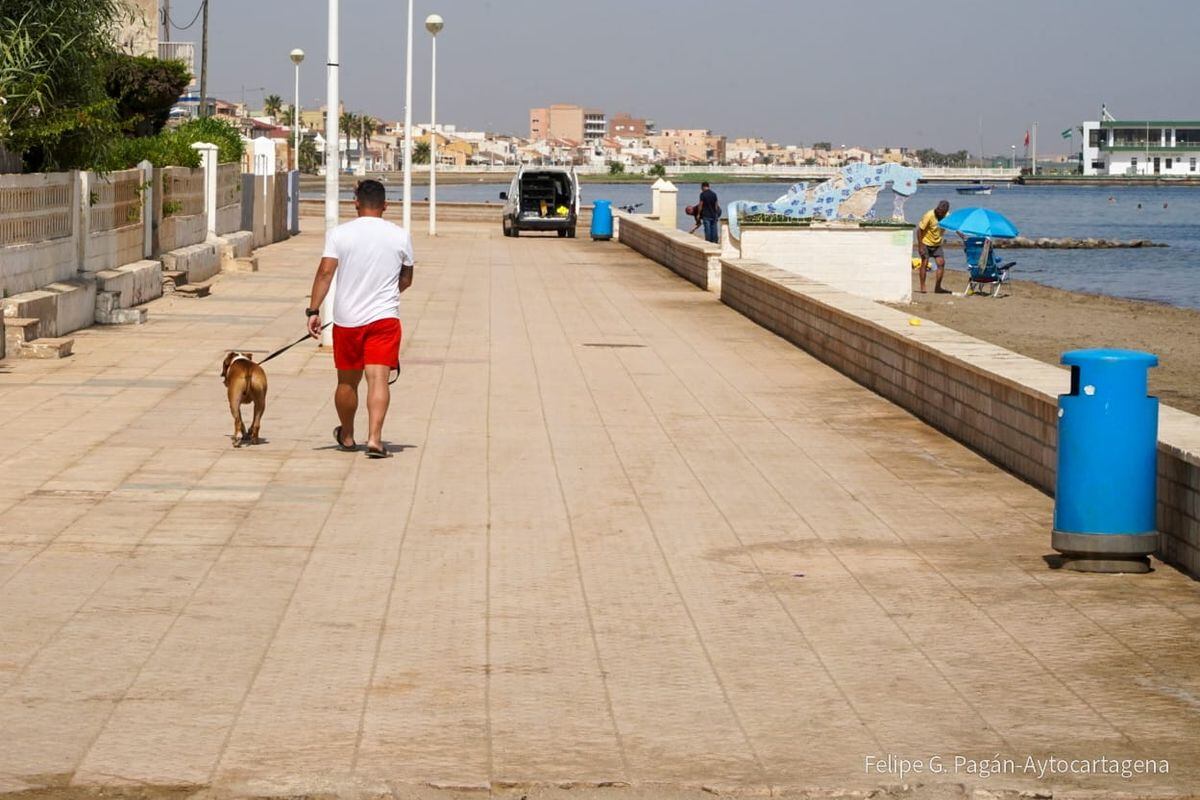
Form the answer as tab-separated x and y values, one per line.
869	72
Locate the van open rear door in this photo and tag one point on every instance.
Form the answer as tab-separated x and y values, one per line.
575	187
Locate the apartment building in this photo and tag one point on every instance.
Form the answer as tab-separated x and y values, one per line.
566	121
691	146
628	127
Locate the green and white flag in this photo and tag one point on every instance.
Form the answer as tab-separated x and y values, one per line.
1068	133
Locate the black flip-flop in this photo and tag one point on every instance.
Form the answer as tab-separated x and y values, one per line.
337	437
378	453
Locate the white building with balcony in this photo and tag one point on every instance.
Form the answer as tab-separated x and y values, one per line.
1142	147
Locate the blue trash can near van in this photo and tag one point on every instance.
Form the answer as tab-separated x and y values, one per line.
1104	504
602	221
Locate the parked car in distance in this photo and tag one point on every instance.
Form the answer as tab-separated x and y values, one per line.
542	199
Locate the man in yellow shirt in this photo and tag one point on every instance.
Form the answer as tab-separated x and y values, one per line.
929	245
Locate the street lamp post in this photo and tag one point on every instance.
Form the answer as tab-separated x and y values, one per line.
433	24
297	57
408	147
1013	163
333	160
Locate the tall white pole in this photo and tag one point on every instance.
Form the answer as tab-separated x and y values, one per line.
408	144
1033	152
333	159
296	122
433	145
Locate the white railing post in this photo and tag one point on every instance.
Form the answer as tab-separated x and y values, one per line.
208	163
656	196
83	218
147	208
668	208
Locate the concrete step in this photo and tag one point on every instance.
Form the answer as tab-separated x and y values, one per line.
53	347
173	279
60	307
110	312
201	289
199	261
19	330
136	283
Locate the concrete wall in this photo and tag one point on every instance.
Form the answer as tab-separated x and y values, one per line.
872	263
999	403
39	220
180	217
116	233
688	256
229	199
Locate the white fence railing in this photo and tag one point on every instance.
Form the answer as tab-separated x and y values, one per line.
35	208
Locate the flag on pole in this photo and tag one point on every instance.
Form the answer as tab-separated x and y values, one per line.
1027	138
1068	133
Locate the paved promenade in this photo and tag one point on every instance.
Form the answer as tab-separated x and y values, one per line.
628	538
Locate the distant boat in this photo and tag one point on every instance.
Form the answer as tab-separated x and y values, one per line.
973	189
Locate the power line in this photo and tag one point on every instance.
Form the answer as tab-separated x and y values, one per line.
179	27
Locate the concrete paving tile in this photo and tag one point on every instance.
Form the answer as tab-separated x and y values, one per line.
701	559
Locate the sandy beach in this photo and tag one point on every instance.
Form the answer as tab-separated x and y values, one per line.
1042	323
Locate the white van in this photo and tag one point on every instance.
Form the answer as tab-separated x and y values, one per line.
542	199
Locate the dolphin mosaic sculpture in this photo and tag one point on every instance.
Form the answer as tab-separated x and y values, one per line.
849	195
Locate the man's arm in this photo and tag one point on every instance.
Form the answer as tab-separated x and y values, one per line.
920	234
320	288
406	276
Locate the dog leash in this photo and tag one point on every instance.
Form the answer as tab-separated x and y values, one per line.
304	339
301	340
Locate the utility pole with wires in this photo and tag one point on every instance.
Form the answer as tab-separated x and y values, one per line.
204	64
166	15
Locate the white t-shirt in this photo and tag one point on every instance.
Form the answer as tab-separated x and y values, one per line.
369	252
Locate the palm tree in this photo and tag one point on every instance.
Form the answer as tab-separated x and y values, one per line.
348	122
285	116
369	126
272	104
420	153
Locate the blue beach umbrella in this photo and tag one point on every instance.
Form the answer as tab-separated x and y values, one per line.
980	222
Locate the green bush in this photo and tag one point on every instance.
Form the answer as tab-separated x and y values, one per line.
214	131
167	149
56	113
145	89
173	147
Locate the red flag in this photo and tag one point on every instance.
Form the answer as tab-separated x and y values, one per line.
1027	138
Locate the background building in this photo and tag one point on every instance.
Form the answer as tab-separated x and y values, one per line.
595	126
138	33
1141	147
627	127
566	121
690	146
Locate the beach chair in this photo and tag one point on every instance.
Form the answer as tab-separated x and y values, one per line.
987	273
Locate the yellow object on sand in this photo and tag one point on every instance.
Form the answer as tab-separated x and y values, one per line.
914	320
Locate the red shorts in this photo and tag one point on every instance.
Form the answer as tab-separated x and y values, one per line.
377	342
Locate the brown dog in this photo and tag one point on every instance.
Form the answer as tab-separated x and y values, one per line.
246	382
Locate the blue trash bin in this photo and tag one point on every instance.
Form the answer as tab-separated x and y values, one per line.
1104	504
602	221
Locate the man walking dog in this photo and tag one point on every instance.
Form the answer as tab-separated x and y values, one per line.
373	260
